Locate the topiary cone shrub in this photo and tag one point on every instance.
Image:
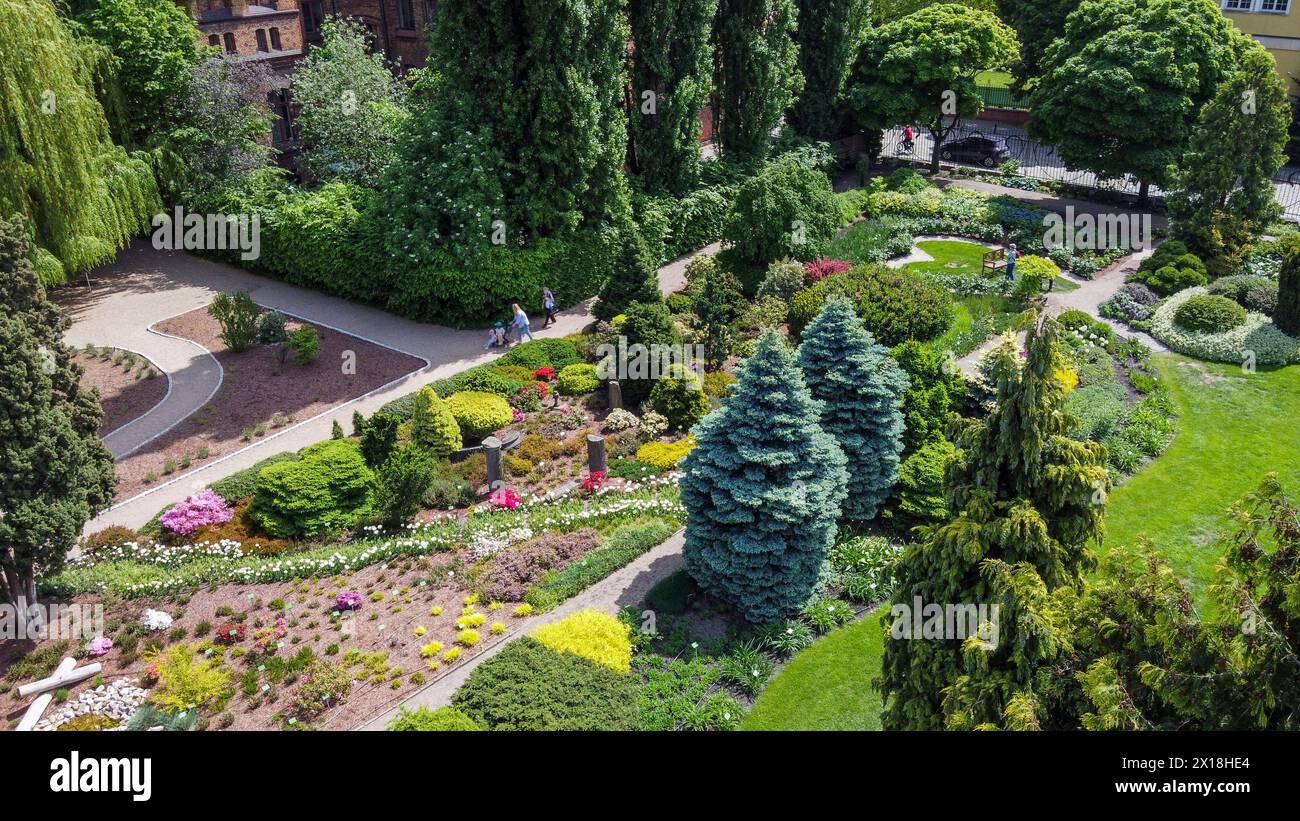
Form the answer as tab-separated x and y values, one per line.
763	489
433	426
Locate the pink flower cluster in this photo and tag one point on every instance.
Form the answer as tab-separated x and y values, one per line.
519	415
268	638
200	509
99	646
819	269
347	600
594	481
506	499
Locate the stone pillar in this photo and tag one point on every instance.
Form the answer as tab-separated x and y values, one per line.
615	395
492	447
595	453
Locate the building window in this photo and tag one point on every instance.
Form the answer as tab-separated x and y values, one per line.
1237	5
1260	6
1275	6
275	39
214	40
312	16
230	43
261	39
405	14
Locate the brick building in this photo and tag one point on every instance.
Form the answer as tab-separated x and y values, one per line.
398	26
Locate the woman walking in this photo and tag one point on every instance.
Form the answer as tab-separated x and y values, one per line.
521	326
548	304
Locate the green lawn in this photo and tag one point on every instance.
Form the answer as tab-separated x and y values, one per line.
950	257
1233	428
828	685
993	79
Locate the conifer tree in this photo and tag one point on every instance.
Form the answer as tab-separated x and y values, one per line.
57	472
762	489
861	390
756	75
432	425
634	279
1028	504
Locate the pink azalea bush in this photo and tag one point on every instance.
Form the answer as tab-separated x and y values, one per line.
200	509
506	499
99	646
347	600
819	269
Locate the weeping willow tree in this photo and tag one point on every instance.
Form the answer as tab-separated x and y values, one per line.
82	196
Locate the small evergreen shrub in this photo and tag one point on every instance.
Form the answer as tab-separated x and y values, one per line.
479	414
665	455
592	635
576	380
328	487
1210	313
679	395
442	719
237	315
433	425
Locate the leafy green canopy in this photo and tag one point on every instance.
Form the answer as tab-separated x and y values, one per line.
351	106
1028	503
672	62
1222	191
82	196
922	67
1037	24
763	489
861	390
1122	86
542	156
756	75
57	473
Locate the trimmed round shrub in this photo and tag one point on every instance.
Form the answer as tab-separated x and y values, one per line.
1171	269
1210	313
576	380
784	279
679	395
895	305
328	487
530	687
1254	293
479	414
422	719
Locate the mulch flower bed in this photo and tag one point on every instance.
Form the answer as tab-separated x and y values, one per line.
128	384
260	394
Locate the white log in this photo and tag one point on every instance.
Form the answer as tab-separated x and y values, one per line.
59	679
42	702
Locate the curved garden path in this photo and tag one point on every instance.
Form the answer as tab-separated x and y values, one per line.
144	286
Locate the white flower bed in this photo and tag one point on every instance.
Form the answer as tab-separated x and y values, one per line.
156	620
1258	340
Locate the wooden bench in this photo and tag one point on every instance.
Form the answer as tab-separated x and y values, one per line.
995	260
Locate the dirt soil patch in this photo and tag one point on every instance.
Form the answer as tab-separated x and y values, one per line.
262	391
128	384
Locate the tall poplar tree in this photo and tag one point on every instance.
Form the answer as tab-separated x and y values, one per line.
830	32
1028	504
672	71
756	73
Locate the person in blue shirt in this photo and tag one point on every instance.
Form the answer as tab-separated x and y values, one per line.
520	324
1012	256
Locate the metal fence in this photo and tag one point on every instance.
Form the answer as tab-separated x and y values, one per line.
1040	162
995	97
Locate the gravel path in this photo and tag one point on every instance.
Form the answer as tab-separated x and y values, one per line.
144	286
624	587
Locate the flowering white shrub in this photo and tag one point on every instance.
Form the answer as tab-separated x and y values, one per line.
1259	337
620	419
155	620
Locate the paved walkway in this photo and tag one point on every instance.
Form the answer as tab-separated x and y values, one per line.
624	587
144	286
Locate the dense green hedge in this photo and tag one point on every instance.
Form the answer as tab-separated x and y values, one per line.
328	487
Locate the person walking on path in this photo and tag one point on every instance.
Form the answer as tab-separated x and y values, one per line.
1012	256
548	304
521	325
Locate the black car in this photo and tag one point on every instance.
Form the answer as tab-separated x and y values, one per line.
986	151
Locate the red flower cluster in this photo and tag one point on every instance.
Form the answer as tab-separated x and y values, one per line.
819	269
543	389
231	632
594	481
546	373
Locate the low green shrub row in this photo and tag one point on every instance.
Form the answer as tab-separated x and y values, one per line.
626	543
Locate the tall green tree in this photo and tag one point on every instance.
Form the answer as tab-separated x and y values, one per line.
1028	508
1221	193
1122	86
861	390
152	44
351	106
672	71
830	32
1037	24
887	11
634	278
921	69
81	196
756	75
762	489
1287	314
56	471
543	158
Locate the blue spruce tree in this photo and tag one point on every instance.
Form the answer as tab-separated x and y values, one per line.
762	489
861	390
